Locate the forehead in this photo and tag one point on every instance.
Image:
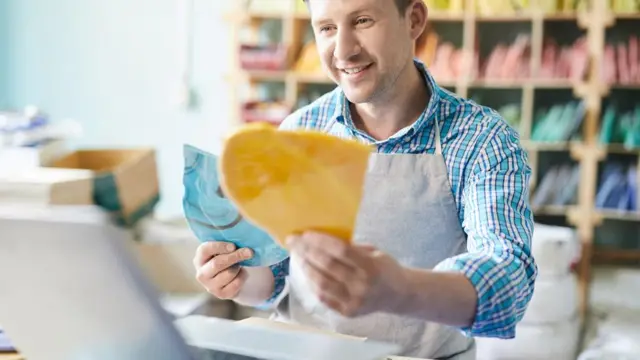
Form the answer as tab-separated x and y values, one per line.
321	9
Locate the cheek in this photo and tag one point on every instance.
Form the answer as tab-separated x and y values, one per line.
326	56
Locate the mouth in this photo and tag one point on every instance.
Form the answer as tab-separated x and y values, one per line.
355	71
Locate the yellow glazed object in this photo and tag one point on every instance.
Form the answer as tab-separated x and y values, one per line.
288	182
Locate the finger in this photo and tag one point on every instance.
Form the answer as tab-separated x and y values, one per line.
325	286
314	242
224	261
327	264
207	250
213	279
233	287
366	248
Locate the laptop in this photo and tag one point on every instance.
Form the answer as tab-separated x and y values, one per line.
71	290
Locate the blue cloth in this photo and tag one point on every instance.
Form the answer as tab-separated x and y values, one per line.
212	217
632	181
618	188
489	174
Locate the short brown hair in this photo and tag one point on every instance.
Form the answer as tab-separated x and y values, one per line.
402	5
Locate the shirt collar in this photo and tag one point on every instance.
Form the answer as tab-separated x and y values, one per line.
342	113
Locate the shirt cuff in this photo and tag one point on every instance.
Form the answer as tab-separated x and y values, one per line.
280	272
503	288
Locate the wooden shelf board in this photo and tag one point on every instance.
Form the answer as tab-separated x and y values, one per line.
444	16
446	82
554	83
625	87
505	17
498	83
520	83
319	78
528	16
265	75
561	16
548	146
618	215
614	255
551	210
626	16
620	149
254	15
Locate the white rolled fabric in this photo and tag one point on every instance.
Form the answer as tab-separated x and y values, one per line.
558	341
554	249
555	299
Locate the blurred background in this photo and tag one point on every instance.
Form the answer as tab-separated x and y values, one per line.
98	98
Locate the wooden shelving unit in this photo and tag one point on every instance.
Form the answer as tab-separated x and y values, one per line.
593	20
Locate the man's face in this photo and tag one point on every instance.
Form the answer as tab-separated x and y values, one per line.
364	44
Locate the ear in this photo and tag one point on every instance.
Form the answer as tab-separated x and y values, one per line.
417	14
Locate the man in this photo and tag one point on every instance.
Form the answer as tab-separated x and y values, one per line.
441	251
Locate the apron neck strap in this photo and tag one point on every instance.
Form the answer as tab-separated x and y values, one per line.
438	144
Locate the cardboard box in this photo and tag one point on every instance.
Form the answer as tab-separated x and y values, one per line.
125	181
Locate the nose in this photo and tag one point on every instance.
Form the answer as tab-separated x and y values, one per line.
346	45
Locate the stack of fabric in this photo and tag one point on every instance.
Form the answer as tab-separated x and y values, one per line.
560	122
559	186
621	126
618	188
568	62
621	63
550	328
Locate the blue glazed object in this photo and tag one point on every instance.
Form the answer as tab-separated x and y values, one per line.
212	217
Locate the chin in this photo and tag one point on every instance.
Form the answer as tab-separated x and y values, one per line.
357	95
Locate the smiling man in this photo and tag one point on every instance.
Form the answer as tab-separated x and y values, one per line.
441	252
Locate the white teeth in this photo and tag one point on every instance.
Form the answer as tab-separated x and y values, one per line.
353	70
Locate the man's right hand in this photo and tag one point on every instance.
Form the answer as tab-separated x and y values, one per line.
217	268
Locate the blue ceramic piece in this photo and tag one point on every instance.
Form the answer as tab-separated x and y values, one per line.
212	217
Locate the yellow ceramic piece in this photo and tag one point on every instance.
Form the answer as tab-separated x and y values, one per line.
288	182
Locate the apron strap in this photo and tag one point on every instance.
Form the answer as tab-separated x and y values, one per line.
438	144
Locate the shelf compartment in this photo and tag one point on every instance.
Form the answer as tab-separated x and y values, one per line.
564	54
621	57
556	181
508	55
506	101
617	237
557	116
440	48
617	185
620	121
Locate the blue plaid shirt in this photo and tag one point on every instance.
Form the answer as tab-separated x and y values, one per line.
489	176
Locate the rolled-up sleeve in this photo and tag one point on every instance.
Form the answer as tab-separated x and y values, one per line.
280	272
499	224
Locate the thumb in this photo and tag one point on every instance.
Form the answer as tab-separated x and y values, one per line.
367	248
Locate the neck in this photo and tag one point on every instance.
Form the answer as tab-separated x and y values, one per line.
400	107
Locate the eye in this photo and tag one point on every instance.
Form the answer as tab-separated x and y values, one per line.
326	28
363	21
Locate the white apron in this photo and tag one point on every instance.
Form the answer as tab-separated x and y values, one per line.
407	211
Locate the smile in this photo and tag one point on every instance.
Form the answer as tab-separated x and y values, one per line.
355	70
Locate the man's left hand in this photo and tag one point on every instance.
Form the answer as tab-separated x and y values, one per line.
351	279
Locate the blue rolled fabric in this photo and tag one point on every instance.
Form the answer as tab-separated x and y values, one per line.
632	181
612	188
213	217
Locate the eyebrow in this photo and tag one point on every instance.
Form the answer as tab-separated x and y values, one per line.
373	9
